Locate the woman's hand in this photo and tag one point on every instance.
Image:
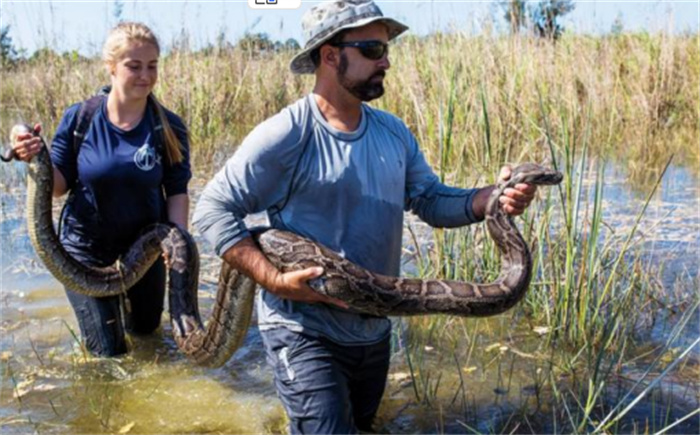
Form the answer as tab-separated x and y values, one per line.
25	143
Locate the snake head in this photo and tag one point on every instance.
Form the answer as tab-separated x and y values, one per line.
532	173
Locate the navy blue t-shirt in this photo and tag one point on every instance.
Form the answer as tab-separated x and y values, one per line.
118	182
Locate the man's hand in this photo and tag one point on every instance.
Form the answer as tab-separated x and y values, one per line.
295	286
247	257
515	199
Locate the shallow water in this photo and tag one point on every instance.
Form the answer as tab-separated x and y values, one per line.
48	385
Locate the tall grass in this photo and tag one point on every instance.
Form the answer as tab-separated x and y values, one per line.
635	92
592	290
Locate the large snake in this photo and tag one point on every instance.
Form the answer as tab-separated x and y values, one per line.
361	290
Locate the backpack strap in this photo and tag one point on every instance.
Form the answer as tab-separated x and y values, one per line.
87	111
85	115
89	107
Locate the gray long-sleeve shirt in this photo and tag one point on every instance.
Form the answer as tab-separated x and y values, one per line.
345	190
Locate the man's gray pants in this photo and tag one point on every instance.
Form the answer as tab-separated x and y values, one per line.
325	387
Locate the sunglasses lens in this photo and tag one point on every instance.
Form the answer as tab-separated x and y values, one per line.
374	51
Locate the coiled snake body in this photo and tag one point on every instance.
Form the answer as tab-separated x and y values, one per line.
362	290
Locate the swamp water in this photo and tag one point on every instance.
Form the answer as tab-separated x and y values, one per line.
439	381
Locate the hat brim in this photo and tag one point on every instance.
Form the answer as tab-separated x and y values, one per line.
302	63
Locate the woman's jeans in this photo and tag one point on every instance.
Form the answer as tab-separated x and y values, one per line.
103	320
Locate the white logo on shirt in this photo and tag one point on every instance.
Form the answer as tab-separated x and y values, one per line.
146	158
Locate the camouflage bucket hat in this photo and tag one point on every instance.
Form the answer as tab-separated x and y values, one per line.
324	21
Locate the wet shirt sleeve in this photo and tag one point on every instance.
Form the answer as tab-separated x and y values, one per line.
62	153
437	204
177	176
256	178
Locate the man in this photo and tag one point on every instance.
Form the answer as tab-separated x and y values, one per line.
341	173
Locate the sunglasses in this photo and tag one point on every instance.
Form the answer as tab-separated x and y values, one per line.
373	50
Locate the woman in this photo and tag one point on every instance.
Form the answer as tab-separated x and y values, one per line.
120	179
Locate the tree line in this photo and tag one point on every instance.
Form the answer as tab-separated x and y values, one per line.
540	18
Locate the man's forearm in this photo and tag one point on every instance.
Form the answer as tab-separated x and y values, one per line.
247	257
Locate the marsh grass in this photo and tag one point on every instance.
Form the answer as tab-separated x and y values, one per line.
473	102
593	292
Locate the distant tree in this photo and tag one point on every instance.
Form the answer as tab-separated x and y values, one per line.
255	43
44	55
221	43
291	44
218	49
74	56
617	25
181	42
118	11
261	42
545	15
8	54
515	13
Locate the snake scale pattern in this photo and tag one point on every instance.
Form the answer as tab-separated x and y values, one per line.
362	290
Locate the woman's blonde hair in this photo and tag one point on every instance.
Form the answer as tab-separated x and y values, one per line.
120	39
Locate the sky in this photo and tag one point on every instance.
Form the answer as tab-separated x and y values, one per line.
66	25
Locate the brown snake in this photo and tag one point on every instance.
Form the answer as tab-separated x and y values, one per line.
362	290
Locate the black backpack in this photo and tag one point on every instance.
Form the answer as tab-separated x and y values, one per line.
89	107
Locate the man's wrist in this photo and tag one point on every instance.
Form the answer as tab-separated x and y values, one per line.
481	198
273	281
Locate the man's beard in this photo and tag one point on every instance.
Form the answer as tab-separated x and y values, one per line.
366	90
